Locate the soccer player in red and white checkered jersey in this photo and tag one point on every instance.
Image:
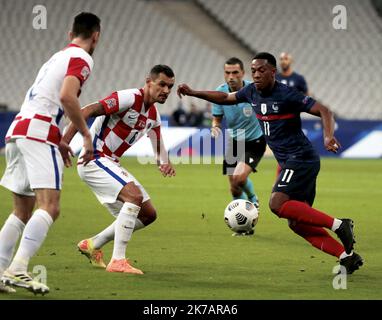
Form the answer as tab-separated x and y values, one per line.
33	144
122	119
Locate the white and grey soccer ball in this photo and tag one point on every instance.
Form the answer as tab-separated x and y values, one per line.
241	215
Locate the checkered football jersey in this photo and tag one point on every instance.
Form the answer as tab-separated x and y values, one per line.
41	114
126	121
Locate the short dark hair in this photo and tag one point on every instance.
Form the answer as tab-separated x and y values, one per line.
85	24
266	56
161	68
234	60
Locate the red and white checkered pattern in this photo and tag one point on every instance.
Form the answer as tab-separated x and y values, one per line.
41	114
126	121
39	128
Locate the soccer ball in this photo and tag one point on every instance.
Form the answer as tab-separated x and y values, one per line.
241	216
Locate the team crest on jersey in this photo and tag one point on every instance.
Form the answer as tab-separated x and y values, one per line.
275	107
111	103
141	124
247	111
85	72
264	108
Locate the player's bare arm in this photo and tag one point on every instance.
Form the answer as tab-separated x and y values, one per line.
91	110
163	161
217	97
327	118
216	126
69	99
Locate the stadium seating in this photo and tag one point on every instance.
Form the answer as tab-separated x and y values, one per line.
134	38
339	65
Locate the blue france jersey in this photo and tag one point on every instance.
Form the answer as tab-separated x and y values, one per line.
295	80
238	116
279	116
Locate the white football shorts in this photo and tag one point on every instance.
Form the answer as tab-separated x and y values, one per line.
32	165
106	178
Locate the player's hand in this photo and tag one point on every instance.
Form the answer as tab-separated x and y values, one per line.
331	144
184	90
167	170
215	132
88	150
66	153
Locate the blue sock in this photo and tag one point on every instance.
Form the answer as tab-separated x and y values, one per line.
250	191
242	196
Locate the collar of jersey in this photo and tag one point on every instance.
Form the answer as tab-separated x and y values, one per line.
72	45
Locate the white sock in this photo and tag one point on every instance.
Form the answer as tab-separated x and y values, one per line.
138	225
336	224
107	234
33	236
344	255
124	228
104	236
9	235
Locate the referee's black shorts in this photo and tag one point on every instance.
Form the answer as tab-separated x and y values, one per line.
249	152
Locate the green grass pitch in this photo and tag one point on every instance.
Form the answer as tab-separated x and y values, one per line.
189	253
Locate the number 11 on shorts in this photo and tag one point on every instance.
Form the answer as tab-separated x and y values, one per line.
287	175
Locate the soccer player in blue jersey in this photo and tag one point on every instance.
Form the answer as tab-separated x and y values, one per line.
290	77
240	158
278	109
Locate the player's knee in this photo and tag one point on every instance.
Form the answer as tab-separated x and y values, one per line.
235	191
151	217
148	216
23	215
276	202
137	198
131	195
275	206
54	211
239	180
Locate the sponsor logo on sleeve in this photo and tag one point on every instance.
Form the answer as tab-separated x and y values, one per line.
85	72
111	103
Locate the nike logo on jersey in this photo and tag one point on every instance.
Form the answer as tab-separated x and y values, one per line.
281	185
133	116
31	95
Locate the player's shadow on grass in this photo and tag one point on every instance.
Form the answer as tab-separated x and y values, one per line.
185	281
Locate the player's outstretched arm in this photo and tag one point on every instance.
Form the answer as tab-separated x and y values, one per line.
163	161
217	97
328	123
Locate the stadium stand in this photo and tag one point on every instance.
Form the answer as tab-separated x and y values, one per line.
135	36
339	65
